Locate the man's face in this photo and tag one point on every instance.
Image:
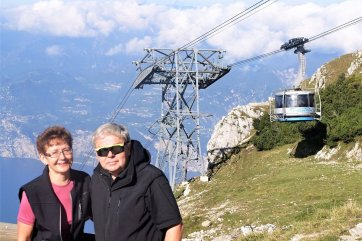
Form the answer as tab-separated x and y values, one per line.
112	162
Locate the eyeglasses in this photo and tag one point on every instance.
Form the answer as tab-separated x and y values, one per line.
115	149
56	154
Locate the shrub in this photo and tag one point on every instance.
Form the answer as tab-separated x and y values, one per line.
341	120
341	109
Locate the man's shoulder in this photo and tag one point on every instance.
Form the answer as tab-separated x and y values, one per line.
150	174
152	170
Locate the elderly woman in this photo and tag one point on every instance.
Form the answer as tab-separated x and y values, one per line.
55	205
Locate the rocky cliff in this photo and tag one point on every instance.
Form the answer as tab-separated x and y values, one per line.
232	131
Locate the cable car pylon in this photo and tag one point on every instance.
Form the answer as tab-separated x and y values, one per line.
181	74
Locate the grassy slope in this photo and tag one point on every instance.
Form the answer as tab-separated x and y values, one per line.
299	196
334	69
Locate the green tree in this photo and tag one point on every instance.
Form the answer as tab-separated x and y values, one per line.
342	109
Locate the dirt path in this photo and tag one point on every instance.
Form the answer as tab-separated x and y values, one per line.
7	232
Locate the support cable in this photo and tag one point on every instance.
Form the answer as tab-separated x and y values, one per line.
204	36
216	30
325	33
226	23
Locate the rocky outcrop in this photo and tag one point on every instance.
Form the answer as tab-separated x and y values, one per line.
350	64
319	78
353	153
356	65
232	131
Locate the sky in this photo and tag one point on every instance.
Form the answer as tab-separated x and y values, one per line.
171	24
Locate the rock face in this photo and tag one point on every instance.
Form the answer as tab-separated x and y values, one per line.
352	154
356	65
319	77
348	64
232	131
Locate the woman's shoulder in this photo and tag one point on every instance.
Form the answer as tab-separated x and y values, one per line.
33	182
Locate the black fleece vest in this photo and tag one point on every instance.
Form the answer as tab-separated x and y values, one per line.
50	216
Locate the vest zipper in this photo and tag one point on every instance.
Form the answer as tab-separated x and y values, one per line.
119	203
79	210
60	223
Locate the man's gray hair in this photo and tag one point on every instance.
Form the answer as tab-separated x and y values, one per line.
111	129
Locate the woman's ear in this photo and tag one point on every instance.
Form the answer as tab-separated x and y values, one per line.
43	159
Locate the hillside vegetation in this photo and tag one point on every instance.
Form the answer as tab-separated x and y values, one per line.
284	184
254	188
341	120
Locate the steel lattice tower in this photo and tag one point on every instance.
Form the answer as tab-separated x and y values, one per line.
181	74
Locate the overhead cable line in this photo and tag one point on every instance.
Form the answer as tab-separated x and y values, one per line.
342	26
199	39
195	41
257	57
226	23
121	104
111	119
220	27
335	29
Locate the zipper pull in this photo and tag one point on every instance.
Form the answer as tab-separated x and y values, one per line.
80	210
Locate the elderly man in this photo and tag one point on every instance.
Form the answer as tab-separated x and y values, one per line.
131	199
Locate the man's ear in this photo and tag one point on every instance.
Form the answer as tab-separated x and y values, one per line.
43	159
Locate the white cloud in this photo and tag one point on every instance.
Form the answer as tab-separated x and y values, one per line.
53	50
137	45
170	26
80	18
115	50
54	17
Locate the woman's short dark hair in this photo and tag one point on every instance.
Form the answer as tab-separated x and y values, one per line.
52	133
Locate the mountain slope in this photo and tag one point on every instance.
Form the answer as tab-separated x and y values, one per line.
269	195
328	73
294	196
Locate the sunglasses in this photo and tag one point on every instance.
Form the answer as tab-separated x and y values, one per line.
115	149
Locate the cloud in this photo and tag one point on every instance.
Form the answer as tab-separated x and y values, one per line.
51	17
115	50
77	18
171	26
53	50
137	45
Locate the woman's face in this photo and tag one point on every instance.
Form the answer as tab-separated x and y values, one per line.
58	156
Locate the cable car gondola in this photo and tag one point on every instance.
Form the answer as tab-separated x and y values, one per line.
295	105
292	105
